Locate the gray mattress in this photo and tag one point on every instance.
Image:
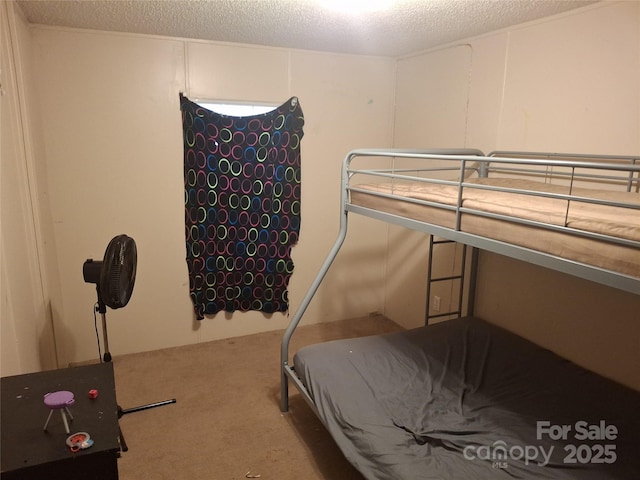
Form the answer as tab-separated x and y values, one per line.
467	400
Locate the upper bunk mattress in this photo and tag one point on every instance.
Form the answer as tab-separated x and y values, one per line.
464	399
611	220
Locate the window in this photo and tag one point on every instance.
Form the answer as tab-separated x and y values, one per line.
236	109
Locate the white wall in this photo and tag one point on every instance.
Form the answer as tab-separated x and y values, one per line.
27	334
566	84
112	136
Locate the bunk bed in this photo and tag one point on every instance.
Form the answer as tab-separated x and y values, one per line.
464	398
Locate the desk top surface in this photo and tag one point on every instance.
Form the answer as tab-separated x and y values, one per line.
24	442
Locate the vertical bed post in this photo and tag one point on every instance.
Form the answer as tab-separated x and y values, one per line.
471	300
342	233
475	253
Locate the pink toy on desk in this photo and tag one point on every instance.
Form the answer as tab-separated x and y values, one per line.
60	400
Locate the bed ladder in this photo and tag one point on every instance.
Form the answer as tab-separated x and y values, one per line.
460	277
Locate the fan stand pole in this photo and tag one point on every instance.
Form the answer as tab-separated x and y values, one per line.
102	310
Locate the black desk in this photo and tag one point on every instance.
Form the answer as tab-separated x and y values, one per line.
30	452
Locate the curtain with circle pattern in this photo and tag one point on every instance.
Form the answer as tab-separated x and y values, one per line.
242	206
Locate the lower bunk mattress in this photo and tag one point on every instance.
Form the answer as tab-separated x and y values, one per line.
464	399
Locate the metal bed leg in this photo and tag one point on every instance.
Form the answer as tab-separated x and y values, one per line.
429	278
473	277
284	349
342	233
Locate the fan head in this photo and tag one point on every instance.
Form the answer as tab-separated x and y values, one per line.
115	275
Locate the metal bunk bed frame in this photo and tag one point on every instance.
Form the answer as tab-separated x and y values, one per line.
472	160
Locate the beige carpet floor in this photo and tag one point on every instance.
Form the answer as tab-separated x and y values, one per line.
226	423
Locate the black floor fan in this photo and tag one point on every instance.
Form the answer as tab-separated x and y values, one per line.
114	277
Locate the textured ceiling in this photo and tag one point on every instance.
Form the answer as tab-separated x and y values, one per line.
409	26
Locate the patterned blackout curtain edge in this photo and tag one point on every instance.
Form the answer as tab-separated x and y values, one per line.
242	206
